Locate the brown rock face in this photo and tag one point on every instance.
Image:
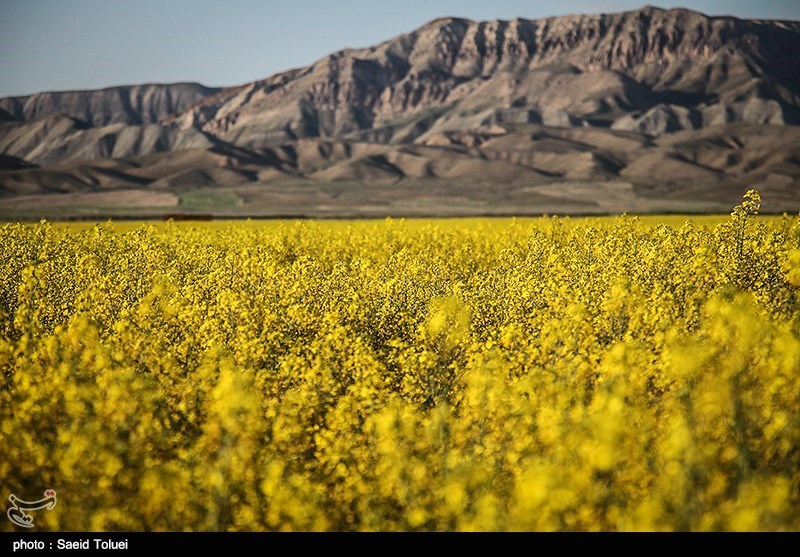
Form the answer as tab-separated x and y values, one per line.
456	74
133	104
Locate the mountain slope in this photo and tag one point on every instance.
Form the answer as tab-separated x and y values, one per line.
59	139
131	104
578	70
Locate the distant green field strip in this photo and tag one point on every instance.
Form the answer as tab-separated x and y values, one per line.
208	199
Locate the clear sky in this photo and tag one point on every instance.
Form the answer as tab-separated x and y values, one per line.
50	45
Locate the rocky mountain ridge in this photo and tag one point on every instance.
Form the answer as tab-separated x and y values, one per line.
647	110
651	70
126	104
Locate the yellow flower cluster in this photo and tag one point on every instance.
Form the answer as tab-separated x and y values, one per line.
547	374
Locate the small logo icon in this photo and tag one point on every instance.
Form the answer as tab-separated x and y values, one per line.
16	513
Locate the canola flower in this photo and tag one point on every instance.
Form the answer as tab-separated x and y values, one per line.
541	375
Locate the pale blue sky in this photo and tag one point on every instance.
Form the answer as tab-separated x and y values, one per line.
49	45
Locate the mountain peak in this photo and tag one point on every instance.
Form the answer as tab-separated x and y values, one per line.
447	20
589	70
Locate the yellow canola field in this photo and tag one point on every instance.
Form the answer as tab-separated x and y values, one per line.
539	374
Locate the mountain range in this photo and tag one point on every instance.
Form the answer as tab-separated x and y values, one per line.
649	110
